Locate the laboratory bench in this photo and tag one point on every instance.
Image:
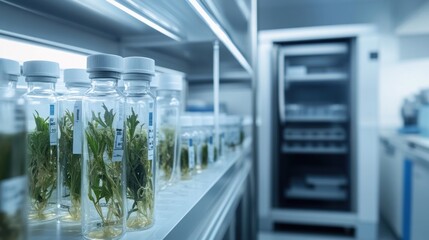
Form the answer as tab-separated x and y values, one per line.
404	181
213	205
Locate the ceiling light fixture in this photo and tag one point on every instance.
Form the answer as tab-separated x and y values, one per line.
221	34
145	20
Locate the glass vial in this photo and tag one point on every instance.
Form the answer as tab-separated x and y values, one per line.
187	148
139	142
13	179
103	180
198	136
209	147
168	116
70	144
42	113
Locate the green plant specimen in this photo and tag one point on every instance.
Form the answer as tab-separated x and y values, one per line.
215	154
12	164
71	164
42	168
139	175
105	175
204	155
185	172
242	136
166	152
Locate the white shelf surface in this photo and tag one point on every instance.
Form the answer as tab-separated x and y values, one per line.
184	210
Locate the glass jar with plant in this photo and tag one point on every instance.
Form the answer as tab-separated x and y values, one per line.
167	120
187	148
198	141
103	180
42	113
209	148
70	144
13	180
140	142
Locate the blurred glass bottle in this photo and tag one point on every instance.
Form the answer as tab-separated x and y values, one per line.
13	179
139	142
199	140
188	155
208	128
42	113
103	180
168	116
70	143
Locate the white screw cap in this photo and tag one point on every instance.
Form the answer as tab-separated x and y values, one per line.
43	71
104	63
155	81
139	65
9	70
170	82
76	75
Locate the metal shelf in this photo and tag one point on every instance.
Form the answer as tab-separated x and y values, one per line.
316	119
314	150
319	77
187	210
314	138
316	194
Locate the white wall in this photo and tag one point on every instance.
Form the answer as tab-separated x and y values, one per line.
237	96
401	75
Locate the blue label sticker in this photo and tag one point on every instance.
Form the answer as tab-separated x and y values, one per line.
52	109
151	119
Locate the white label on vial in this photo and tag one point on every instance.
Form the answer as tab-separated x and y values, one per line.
150	134
77	128
211	150
118	148
53	132
12	194
191	154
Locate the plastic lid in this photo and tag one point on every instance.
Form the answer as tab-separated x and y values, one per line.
76	75
170	82
186	121
155	81
104	63
140	65
43	71
9	70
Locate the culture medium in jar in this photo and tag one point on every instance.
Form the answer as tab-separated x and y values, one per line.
140	142
103	180
70	144
187	148
13	179
168	116
42	140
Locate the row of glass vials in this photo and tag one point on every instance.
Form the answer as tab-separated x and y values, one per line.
97	155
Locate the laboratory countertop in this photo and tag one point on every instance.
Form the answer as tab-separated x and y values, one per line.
413	144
